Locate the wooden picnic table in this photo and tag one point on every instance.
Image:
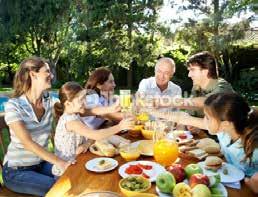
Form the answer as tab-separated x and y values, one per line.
77	180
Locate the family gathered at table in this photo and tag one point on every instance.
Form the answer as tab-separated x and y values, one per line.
82	115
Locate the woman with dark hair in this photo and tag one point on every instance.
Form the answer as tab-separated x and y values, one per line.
228	116
102	83
27	163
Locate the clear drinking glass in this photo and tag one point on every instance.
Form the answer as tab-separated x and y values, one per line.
125	99
165	150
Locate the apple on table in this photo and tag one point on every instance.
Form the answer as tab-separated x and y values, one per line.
178	171
166	182
201	190
198	179
191	169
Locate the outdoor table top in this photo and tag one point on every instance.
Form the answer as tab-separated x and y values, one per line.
77	180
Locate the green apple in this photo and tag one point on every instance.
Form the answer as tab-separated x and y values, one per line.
214	180
166	182
201	190
192	169
215	192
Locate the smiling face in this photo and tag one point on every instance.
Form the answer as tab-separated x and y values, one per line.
43	77
197	74
109	85
163	73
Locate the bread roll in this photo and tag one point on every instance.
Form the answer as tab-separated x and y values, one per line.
212	148
105	148
205	142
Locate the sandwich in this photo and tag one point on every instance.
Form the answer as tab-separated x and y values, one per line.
204	142
213	163
197	153
103	148
104	164
213	148
209	146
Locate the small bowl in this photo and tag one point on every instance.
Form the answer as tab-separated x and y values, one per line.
143	117
129	153
146	185
147	134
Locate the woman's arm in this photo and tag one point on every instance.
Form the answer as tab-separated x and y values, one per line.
80	128
23	135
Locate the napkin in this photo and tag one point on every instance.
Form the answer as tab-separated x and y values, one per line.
235	185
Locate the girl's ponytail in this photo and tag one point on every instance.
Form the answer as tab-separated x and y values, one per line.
250	139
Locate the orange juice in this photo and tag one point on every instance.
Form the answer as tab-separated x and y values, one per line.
165	152
125	101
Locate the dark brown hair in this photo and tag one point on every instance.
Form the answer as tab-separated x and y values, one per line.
204	60
232	107
22	80
99	76
67	92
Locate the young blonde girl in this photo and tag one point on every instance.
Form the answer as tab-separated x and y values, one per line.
70	130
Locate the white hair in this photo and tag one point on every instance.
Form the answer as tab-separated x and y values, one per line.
167	60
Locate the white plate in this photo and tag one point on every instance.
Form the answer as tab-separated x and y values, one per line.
92	164
220	187
153	173
137	143
188	135
234	174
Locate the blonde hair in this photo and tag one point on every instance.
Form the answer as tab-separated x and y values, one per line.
22	80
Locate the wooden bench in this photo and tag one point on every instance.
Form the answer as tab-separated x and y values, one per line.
4	192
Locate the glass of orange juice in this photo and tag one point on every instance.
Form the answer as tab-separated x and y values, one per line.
165	150
125	100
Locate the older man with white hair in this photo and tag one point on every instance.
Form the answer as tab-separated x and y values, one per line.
160	84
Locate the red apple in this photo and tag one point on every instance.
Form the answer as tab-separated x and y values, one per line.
178	171
198	179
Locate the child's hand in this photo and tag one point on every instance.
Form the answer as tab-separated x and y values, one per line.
79	150
82	148
63	165
252	183
126	124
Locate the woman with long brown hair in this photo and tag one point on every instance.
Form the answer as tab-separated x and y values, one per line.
102	83
27	163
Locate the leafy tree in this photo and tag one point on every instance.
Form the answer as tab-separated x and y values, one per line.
118	33
213	32
40	27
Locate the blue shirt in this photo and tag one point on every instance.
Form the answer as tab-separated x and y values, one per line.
234	154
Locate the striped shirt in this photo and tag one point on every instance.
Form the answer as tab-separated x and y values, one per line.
19	109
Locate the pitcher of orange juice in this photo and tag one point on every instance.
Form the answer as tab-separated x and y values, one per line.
165	150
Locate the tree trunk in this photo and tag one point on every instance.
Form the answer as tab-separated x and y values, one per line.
129	34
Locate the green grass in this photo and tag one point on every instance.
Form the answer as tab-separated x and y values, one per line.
6	90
